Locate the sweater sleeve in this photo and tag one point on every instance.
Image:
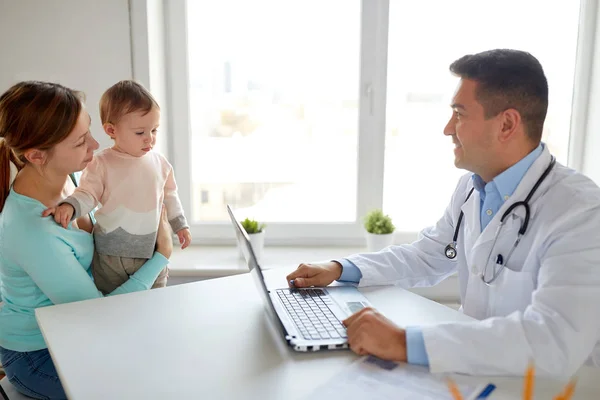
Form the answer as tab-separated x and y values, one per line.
90	190
173	204
55	269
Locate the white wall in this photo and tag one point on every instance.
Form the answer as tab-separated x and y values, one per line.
82	44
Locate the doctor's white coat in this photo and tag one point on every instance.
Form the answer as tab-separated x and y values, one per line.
544	306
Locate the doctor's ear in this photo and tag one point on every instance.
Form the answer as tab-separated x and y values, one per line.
510	123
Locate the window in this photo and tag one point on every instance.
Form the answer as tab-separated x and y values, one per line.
307	114
274	108
420	88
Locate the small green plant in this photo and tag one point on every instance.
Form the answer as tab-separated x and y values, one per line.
378	223
251	226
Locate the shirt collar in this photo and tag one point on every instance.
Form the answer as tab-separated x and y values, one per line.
506	183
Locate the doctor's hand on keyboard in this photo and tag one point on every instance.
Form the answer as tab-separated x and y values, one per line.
307	275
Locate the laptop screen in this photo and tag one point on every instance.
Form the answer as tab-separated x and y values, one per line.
255	270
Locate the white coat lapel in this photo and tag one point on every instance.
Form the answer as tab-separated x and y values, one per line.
477	246
531	176
471	224
471	238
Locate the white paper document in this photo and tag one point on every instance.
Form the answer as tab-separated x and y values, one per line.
374	379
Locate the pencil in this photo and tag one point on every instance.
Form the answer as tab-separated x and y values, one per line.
569	390
454	390
528	389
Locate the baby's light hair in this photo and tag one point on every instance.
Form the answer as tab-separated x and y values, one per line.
125	97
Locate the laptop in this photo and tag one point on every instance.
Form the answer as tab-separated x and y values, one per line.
308	319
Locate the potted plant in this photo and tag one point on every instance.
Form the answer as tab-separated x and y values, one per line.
256	233
380	230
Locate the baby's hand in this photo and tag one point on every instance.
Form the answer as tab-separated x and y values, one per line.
62	214
185	237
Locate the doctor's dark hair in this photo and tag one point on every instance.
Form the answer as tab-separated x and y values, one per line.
508	79
33	115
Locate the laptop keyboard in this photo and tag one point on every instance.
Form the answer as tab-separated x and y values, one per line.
309	309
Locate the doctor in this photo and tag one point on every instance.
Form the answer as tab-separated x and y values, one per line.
521	230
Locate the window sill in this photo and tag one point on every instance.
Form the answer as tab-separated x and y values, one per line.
218	261
205	262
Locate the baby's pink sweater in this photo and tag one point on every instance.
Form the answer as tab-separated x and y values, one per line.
131	191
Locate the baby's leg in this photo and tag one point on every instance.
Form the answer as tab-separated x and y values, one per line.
133	264
109	272
161	281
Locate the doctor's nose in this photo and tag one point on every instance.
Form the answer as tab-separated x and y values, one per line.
449	129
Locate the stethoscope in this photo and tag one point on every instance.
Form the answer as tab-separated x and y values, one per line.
450	249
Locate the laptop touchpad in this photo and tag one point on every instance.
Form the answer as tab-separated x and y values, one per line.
354	306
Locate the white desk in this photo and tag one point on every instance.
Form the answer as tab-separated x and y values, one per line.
181	342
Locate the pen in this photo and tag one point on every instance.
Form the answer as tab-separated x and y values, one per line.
486	392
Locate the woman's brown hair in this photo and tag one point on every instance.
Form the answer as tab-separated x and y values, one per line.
33	115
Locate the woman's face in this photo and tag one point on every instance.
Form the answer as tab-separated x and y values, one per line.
77	150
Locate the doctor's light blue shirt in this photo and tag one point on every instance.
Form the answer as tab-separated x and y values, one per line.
492	195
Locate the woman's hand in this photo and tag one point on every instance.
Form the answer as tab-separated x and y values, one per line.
164	241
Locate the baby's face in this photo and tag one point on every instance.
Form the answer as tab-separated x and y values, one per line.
135	133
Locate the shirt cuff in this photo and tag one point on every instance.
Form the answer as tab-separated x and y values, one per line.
350	272
415	346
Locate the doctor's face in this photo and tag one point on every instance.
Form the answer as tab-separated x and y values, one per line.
471	133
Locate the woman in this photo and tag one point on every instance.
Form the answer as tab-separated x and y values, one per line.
45	134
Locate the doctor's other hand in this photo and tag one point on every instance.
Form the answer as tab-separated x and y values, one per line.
369	332
307	275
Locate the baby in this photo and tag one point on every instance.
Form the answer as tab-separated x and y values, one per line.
131	182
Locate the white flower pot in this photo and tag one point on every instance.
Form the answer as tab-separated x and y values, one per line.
257	240
379	242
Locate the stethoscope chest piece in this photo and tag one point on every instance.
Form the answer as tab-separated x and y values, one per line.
450	251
